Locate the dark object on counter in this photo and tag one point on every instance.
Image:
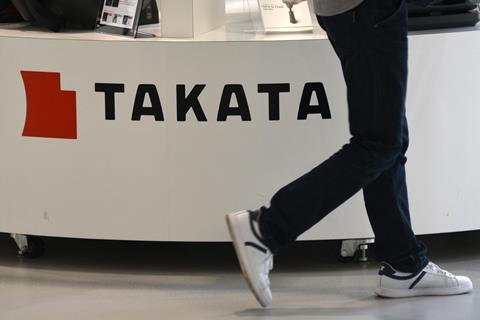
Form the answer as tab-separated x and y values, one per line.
4	4
57	15
8	12
441	14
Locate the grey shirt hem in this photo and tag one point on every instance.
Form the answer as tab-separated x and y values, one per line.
333	7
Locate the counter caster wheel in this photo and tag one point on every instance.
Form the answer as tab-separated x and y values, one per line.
29	246
346	252
351	249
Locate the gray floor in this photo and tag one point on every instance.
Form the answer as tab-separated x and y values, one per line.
84	279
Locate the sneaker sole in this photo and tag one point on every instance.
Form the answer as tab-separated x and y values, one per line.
236	239
393	293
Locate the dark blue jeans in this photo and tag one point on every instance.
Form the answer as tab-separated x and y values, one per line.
371	43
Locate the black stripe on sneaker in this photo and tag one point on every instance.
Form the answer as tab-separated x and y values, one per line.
420	277
387	271
256	246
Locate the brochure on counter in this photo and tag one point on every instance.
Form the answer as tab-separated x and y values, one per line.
120	17
119	13
286	15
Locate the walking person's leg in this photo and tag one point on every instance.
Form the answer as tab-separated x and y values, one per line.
386	201
371	42
374	62
386	198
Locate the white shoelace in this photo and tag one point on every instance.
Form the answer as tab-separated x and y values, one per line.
436	269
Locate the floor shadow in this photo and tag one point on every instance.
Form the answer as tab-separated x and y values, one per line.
208	258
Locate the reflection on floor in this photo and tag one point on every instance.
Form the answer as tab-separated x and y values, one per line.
85	279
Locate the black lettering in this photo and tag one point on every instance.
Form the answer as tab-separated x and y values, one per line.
322	108
274	90
109	89
226	110
185	103
139	108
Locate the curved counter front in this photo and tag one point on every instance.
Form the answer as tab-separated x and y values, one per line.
109	138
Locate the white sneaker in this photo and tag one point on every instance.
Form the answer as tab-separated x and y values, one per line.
255	258
431	281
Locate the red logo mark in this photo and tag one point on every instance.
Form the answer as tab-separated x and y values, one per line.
51	112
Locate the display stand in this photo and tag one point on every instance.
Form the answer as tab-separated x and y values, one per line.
190	18
256	23
119	17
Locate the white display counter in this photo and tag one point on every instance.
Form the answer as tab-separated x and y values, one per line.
174	180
